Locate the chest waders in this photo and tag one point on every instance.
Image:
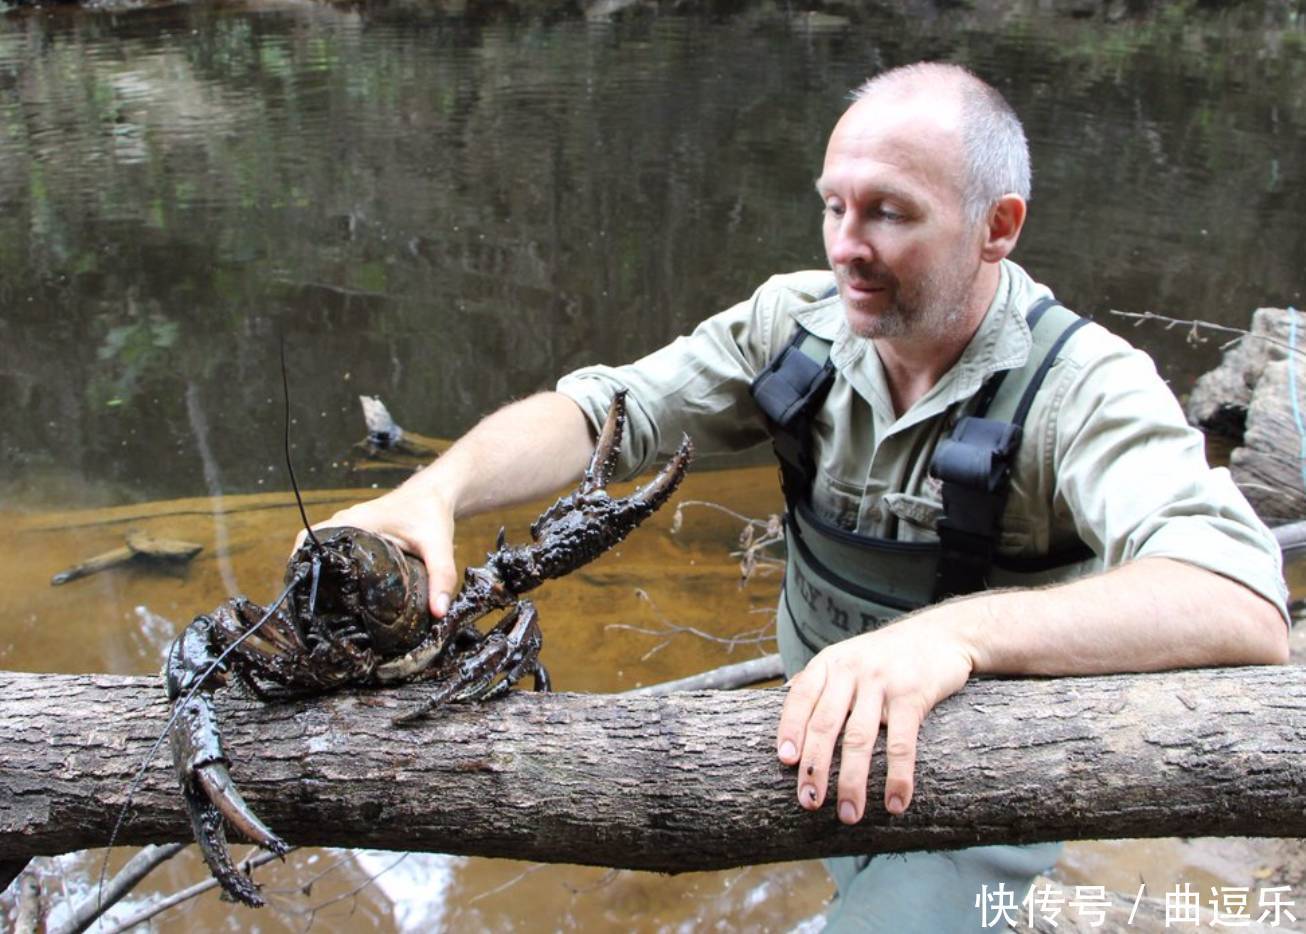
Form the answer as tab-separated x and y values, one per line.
839	583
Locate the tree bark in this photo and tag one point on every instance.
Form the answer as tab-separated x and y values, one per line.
684	782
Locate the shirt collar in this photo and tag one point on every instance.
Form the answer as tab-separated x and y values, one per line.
1002	342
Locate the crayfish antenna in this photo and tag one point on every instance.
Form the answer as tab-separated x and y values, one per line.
290	467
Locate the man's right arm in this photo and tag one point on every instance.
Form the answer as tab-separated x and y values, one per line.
523	451
698	385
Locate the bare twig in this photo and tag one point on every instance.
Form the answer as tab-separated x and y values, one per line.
253	861
678	518
126	879
1195	326
311	912
306	887
504	886
605	880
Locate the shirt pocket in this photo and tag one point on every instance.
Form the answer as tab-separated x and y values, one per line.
920	513
836	501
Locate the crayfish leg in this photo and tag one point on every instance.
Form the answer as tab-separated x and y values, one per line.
210	796
489	667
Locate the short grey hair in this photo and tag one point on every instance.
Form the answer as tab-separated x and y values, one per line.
997	153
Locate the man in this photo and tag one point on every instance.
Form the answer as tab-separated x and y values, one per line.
924	190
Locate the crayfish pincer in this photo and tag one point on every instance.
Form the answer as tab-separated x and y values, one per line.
354	613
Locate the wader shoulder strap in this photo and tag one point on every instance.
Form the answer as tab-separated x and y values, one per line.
790	391
975	462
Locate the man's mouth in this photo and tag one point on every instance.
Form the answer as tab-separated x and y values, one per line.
864	286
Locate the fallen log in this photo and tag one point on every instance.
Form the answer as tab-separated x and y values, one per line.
1255	400
684	782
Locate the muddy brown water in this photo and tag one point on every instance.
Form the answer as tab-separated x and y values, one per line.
609	627
449	207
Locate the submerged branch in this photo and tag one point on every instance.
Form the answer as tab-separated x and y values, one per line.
154	909
98	902
727	677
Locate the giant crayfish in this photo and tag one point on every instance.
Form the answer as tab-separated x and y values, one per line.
354	612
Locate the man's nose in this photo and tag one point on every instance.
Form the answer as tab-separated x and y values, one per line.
847	242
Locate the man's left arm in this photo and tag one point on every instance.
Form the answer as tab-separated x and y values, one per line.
1149	615
1194	581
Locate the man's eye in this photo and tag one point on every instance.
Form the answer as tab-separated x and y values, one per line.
834	209
889	214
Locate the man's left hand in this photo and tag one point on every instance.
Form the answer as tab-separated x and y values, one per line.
894	676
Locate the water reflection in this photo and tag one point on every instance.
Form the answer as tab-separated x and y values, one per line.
447	212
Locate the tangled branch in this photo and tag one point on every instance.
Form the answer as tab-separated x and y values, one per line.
755	538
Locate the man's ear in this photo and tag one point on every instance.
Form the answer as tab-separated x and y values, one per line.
1006	218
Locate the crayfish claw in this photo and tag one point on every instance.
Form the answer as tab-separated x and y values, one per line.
217	785
607	448
656	492
210	796
578	528
206	821
601	466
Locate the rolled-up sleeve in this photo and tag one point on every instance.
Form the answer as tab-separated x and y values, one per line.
697	385
1133	474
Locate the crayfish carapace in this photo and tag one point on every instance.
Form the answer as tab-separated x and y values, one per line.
354	613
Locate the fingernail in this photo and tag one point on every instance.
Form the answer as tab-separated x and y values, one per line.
847	813
895	804
787	750
441	604
808	794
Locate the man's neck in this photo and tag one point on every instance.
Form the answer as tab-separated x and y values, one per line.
912	365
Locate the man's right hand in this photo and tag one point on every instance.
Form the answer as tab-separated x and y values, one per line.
422	524
523	451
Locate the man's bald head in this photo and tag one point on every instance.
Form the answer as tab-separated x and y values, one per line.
995	152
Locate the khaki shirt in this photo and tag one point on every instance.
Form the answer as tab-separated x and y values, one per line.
1107	456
